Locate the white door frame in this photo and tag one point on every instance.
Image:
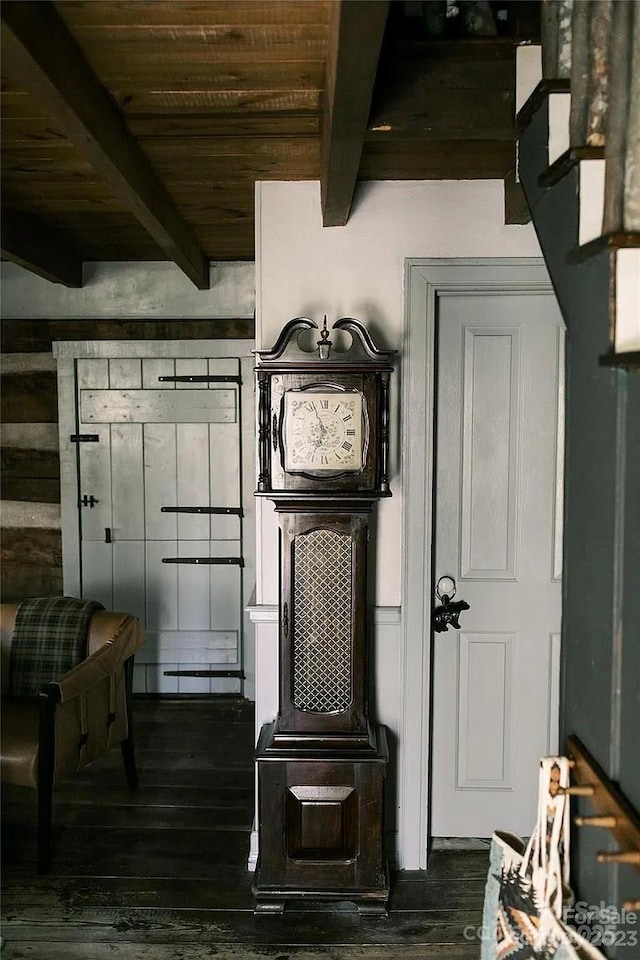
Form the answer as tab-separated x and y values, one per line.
67	352
426	280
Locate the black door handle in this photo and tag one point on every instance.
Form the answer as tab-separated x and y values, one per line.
448	611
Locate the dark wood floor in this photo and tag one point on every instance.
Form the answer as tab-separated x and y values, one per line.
161	874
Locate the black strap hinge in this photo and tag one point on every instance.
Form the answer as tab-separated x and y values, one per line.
217	511
200	378
84	438
211	561
236	674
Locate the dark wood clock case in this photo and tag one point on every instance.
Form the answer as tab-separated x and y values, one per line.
286	367
322	762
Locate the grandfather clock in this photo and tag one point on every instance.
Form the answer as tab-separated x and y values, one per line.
323	421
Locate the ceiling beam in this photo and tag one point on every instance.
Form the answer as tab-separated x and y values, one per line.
357	29
26	241
55	70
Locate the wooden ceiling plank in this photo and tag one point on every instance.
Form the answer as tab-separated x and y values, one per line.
92	13
225	41
25	241
436	160
31	131
193	72
284	148
61	196
46	202
163	101
183	120
231	125
19	104
460	115
57	71
444	94
357	30
201	67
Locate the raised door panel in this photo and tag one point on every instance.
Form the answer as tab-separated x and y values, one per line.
490	445
485	706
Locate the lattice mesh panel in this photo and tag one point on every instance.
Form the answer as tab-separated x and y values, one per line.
322	598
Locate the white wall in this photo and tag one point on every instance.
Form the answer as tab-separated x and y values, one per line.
303	269
130	290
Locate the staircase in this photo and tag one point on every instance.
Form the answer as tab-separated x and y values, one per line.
579	161
579	166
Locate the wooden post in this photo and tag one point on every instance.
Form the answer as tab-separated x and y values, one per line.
600	36
590	72
622	36
631	219
565	25
556	17
549	30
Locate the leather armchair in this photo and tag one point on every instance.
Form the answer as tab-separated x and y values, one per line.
75	719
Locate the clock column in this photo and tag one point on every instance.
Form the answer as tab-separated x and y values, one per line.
322	762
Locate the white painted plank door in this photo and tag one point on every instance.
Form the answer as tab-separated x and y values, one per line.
498	482
165	444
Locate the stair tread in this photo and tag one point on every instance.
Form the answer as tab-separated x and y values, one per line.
630	359
616	240
536	99
566	162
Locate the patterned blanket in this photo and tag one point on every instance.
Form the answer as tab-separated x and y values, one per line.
49	638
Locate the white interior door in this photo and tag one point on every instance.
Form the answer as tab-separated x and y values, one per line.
160	517
497	533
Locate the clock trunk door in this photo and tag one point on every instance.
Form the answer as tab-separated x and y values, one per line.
322	623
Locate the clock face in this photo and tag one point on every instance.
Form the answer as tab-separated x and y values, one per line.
322	431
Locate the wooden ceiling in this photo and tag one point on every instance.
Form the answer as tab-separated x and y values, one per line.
136	129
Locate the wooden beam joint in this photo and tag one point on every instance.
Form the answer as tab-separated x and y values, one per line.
27	242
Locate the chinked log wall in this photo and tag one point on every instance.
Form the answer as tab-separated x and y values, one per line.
31	551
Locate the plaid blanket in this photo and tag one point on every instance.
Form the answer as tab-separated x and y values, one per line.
49	638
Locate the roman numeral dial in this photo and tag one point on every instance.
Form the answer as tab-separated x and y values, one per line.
323	431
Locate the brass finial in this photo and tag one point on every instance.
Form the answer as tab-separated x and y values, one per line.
324	344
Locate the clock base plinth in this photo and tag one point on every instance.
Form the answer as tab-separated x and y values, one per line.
370	903
277	742
321	823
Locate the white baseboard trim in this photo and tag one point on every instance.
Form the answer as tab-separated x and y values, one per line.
263	612
461	843
390	615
